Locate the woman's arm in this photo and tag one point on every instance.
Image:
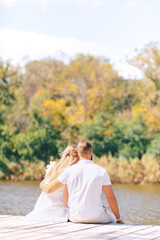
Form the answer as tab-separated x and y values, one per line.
51	187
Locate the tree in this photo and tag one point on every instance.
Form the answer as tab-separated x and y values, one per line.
7	71
148	60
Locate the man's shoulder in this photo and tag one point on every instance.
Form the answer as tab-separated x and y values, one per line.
103	170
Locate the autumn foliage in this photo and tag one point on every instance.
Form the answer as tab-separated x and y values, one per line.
48	103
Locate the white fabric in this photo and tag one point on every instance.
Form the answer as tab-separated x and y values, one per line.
85	180
105	217
49	207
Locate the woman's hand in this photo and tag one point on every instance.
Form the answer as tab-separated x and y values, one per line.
51	187
43	186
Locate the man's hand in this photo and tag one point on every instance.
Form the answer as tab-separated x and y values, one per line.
120	222
51	187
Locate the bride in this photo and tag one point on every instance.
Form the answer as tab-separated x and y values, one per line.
50	206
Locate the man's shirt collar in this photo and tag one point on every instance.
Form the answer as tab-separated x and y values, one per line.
85	161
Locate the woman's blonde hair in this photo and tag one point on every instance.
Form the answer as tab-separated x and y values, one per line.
69	156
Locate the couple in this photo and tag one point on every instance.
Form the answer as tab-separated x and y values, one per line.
72	190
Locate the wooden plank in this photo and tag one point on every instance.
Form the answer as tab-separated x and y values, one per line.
26	223
72	235
89	233
23	234
4	216
9	219
7	229
74	228
21	229
9	222
129	231
8	215
21	226
18	228
36	237
20	221
28	235
105	233
129	238
31	225
51	232
147	232
156	234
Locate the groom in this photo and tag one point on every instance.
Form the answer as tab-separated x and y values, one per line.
85	182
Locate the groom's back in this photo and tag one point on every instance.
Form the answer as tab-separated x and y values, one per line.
85	180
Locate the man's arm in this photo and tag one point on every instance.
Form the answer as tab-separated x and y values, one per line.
51	187
107	189
65	195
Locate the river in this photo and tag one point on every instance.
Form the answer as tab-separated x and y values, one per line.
138	204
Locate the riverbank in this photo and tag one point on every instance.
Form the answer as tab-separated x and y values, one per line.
24	170
121	170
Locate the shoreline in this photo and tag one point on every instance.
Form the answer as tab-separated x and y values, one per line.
113	183
135	171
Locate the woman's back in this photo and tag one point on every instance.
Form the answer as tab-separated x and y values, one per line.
49	206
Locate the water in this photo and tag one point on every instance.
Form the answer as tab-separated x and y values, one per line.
138	204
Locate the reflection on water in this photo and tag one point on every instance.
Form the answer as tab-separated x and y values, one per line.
18	198
138	204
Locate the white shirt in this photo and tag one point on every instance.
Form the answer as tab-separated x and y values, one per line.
85	180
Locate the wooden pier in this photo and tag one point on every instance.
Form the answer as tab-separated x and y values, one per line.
17	228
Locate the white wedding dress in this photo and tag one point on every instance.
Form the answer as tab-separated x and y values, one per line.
49	206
